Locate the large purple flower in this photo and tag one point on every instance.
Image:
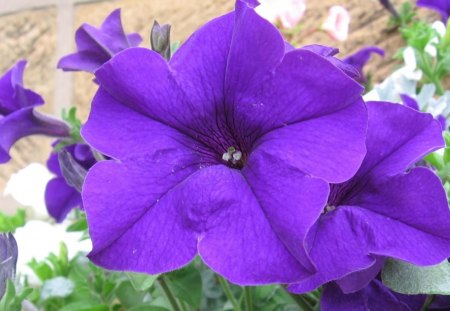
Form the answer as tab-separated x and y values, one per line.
60	197
97	45
375	296
360	58
383	211
441	6
223	151
17	115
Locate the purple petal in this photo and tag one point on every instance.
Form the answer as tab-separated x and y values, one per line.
325	146
360	58
84	60
245	240
26	122
272	182
410	102
338	247
13	96
60	198
360	279
441	6
393	144
442	121
95	46
152	233
131	133
404	225
373	297
329	53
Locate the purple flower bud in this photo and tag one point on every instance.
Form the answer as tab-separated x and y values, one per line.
160	39
71	170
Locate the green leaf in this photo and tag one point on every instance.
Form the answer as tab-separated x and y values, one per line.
141	282
128	296
148	308
58	287
435	159
79	225
42	270
408	279
11	223
186	284
84	306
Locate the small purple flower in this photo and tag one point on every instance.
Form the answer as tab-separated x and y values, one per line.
388	209
60	197
360	58
375	296
441	6
98	45
18	118
8	260
223	151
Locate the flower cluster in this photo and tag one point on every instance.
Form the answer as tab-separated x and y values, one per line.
233	151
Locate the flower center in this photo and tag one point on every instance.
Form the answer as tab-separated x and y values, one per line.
233	158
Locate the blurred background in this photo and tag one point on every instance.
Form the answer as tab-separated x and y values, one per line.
42	31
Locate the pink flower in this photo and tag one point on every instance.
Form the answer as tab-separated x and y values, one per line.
337	23
288	12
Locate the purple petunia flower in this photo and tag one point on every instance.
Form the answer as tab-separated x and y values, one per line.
98	45
383	211
375	296
8	260
441	6
360	58
60	197
224	151
18	118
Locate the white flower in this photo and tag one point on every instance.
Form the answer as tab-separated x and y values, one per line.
27	187
430	48
37	239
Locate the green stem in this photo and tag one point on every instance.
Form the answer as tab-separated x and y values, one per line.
226	288
168	292
301	302
427	302
248	298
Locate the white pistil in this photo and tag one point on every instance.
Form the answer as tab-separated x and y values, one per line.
226	157
237	155
232	155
